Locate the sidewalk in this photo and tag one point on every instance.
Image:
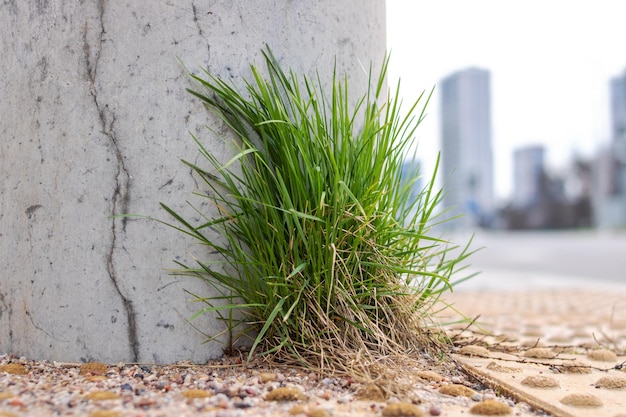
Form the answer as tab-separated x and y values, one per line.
499	279
530	331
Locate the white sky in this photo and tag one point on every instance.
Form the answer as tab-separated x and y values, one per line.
550	63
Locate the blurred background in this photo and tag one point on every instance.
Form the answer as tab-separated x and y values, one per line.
528	112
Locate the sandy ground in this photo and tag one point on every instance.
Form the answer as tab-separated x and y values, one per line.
548	337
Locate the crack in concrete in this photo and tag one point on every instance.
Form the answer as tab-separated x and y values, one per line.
5	306
195	18
196	21
36	326
121	194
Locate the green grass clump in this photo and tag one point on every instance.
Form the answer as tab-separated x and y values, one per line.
325	252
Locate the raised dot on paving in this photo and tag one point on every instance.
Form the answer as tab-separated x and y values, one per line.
540	381
581	400
540	353
602	355
491	408
475	350
611	382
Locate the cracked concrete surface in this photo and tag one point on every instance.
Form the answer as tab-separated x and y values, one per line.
120	198
93	123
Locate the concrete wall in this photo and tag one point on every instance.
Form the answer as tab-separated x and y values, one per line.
94	120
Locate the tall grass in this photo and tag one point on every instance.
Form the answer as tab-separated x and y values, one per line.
324	253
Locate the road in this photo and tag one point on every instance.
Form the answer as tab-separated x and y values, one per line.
569	259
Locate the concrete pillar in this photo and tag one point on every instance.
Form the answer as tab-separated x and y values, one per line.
94	119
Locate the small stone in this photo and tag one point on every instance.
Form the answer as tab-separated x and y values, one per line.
581	400
402	409
475	350
328	381
476	397
16	402
344	399
602	355
491	408
102	396
14	369
489	396
457	390
221	401
319	412
196	393
95	378
540	381
434	410
284	394
143	402
267	377
297	409
93	368
230	392
371	392
228	413
5	395
431	376
103	413
249	392
242	404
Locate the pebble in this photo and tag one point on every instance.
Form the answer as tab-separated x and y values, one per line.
228	413
152	391
434	410
243	404
344	399
328	381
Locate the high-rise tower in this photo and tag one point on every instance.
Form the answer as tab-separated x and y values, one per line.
528	170
610	172
618	130
466	154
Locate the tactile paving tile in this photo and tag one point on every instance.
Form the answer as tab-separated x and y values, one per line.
560	351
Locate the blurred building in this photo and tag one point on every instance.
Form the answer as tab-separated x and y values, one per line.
610	167
618	130
528	168
466	153
412	177
539	200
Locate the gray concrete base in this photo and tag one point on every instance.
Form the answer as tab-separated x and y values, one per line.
94	119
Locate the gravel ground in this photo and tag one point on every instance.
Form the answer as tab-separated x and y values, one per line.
226	388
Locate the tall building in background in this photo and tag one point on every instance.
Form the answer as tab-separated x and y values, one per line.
466	153
528	170
610	195
618	130
411	174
